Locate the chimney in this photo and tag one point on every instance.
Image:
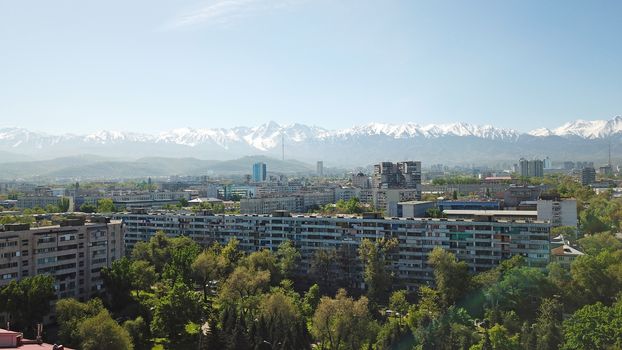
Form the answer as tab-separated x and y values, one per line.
39	333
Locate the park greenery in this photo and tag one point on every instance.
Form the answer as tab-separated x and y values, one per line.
173	293
351	206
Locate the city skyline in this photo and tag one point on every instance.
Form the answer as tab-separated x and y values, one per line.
157	66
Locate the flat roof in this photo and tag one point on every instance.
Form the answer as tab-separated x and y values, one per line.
335	216
492	212
416	202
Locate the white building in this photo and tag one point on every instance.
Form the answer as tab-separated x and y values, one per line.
559	213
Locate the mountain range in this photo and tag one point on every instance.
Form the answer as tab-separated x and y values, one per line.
454	143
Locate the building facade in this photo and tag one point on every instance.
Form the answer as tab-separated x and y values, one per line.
588	176
531	168
397	175
260	173
483	245
561	212
74	253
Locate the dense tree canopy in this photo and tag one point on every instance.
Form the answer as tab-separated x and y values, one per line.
27	301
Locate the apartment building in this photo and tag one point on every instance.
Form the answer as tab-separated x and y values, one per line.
397	175
29	202
482	244
531	168
295	202
73	252
269	204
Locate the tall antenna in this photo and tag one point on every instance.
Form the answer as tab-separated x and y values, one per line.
283	146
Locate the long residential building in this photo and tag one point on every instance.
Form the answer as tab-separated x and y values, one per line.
482	244
74	252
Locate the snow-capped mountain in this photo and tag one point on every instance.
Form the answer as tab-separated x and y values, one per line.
587	129
362	144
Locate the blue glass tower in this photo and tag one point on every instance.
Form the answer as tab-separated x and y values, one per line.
259	172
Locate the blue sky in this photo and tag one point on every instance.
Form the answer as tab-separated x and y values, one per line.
81	66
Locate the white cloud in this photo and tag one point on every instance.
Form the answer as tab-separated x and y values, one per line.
226	11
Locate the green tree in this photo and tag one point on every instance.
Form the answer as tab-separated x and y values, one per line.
101	332
288	257
173	311
343	323
206	268
281	323
378	278
399	303
434	213
143	275
596	243
243	283
311	300
520	289
182	253
569	232
323	268
156	251
423	317
70	313
27	301
450	275
594	326
105	205
88	208
390	334
63	204
498	338
597	278
264	260
138	330
549	325
118	283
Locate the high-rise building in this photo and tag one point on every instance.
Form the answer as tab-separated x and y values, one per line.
606	170
360	180
531	168
397	175
588	176
259	172
73	252
395	182
320	168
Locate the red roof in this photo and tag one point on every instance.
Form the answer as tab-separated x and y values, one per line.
15	340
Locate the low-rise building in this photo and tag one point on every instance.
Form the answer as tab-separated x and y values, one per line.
565	255
414	209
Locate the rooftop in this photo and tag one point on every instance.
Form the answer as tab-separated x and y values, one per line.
15	340
566	250
524	213
416	202
156	213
